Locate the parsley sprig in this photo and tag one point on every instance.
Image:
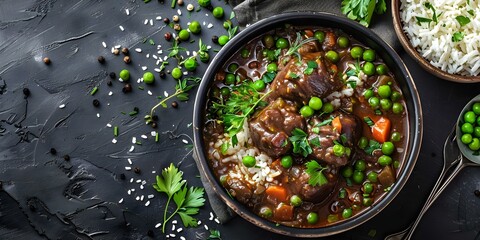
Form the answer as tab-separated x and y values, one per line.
188	200
362	10
315	171
214	234
300	142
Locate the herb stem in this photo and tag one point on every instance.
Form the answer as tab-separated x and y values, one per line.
173	3
179	91
165	214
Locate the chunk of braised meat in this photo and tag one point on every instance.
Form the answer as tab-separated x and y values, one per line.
298	181
321	138
239	189
293	84
387	176
313	46
271	127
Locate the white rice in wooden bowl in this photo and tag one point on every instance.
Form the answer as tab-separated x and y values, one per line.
441	42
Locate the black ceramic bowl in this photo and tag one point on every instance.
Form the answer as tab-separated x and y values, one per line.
360	33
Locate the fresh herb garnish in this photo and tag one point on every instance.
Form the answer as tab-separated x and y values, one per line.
352	83
224	148
231	30
316	130
293	75
372	146
315	142
471	12
244	99
434	17
315	171
342	193
421	20
151	42
311	65
175	50
362	10
94	90
300	142
343	139
297	44
214	234
188	200
462	20
203	52
268	77
368	121
458	36
325	122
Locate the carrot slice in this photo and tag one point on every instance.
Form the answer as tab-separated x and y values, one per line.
381	129
277	193
337	124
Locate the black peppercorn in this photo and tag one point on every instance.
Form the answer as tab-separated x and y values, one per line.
96	103
135	109
162	74
66	157
166	20
109	83
477	193
215	39
136	170
154	125
26	92
150	233
122	176
112	75
209	7
155	117
168	36
101	59
174	104
53	151
127	88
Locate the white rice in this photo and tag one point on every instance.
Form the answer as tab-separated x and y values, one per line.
434	41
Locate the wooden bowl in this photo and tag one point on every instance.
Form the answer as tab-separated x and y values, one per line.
405	41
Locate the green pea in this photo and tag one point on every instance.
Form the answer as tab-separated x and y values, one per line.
295	201
367	188
476	108
374	102
271	55
396	164
249	161
223	179
195	27
467	128
227	24
190	64
363	142
384	160
204	3
282	43
230	79
312	218
124	75
245	53
476	131
388	148
343	41
286	161
467	138
225	91
338	150
332	56
368	94
369	68
384	91
358	176
385	104
356	52
218	12
395	96
266	212
372	176
474	145
347	213
331	218
148	78
306	111
184	35
397	108
360	165
268	41
272	67
369	55
327	107
396	136
347	172
232	67
177	73
469	117
367	201
315	103
381	69
222	40
320	36
259	85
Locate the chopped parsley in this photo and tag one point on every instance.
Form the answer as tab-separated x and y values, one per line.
268	77
293	75
315	142
315	171
372	146
311	65
214	234
300	142
458	36
325	122
368	121
462	20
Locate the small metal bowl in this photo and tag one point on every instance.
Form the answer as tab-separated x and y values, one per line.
360	33
405	41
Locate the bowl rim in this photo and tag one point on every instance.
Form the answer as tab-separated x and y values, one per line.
243	211
405	42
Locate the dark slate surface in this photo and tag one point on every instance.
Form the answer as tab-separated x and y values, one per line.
45	197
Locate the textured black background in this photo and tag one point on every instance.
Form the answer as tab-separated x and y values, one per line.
78	199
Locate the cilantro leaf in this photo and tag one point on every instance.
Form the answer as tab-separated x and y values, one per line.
462	20
315	171
170	182
300	142
372	146
214	234
315	142
458	36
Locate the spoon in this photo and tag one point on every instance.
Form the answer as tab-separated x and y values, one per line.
451	157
